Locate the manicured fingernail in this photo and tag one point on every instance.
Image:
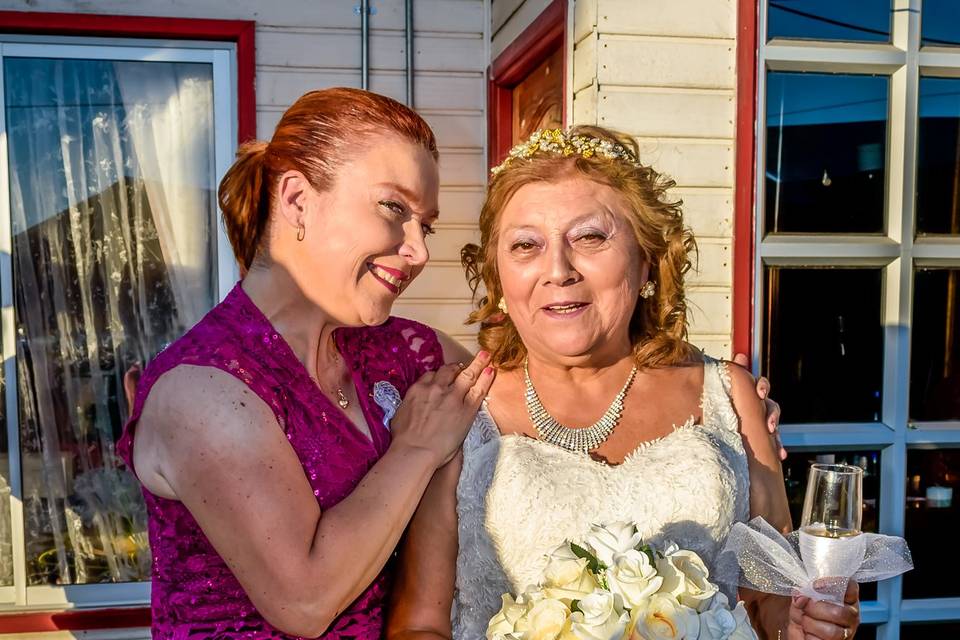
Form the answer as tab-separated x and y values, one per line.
488	371
483	354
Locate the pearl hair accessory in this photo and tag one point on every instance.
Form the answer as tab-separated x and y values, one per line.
648	289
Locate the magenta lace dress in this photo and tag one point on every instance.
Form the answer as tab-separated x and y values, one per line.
194	593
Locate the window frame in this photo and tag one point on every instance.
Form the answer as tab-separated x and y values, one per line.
897	252
228	45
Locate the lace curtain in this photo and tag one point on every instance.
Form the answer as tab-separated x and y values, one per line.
111	191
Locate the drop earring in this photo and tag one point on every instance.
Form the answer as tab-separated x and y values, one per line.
502	305
301	232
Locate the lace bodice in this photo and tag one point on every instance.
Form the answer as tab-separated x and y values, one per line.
518	498
194	593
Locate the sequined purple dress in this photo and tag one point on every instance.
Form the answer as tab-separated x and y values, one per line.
194	593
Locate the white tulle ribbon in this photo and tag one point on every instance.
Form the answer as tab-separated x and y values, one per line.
757	556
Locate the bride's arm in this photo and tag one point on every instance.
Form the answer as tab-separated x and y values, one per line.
426	568
768	497
773	616
423	589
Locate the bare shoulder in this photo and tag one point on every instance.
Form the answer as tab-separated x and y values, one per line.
743	387
453	351
192	411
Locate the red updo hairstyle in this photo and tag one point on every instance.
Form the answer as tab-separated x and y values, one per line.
315	136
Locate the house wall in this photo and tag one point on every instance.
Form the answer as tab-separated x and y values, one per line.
509	18
665	73
310	44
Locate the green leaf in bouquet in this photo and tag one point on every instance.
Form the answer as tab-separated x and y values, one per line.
574	606
593	564
648	551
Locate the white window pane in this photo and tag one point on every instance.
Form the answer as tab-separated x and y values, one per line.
112	212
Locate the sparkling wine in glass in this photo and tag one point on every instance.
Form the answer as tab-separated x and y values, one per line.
830	542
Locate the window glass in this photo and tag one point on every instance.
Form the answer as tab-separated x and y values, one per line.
112	211
825	153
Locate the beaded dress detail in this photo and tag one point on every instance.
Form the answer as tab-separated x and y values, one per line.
194	593
518	498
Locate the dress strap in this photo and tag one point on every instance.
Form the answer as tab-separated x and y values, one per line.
717	399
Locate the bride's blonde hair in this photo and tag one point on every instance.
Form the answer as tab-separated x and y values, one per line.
658	328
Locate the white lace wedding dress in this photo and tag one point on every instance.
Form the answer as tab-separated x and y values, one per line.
519	498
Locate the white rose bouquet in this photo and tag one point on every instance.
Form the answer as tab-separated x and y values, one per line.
613	586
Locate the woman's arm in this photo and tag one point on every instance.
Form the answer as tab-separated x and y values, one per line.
213	444
423	586
780	617
423	589
768	498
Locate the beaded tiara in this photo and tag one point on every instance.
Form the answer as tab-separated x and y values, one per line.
557	142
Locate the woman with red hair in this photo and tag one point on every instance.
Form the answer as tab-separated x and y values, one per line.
265	438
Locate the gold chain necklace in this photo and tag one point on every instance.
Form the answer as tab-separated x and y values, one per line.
342	400
582	440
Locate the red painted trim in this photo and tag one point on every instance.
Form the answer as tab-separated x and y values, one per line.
94	25
75	620
746	138
240	32
544	36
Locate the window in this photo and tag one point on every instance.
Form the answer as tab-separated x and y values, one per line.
109	249
856	267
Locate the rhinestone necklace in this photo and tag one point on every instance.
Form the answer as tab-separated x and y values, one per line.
581	440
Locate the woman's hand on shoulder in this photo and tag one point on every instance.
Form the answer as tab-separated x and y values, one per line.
772	407
767	494
439	408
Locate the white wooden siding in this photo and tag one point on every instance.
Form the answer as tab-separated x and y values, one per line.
508	20
312	44
665	73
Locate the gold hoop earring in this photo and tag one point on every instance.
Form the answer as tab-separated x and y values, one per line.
648	289
502	305
301	232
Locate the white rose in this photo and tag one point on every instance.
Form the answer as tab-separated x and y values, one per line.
546	619
600	618
686	578
633	577
662	617
744	630
504	623
563	566
610	539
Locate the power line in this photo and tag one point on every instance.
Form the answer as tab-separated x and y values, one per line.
819	18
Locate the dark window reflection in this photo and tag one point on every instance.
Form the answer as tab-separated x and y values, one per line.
826	150
856	20
866	631
928	631
938	157
933	483
796	468
940	23
935	352
823	343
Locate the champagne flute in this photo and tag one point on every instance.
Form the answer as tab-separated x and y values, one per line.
831	546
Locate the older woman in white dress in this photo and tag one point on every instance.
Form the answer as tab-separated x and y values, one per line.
583	257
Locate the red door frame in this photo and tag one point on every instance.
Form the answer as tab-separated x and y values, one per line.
240	32
744	228
544	36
